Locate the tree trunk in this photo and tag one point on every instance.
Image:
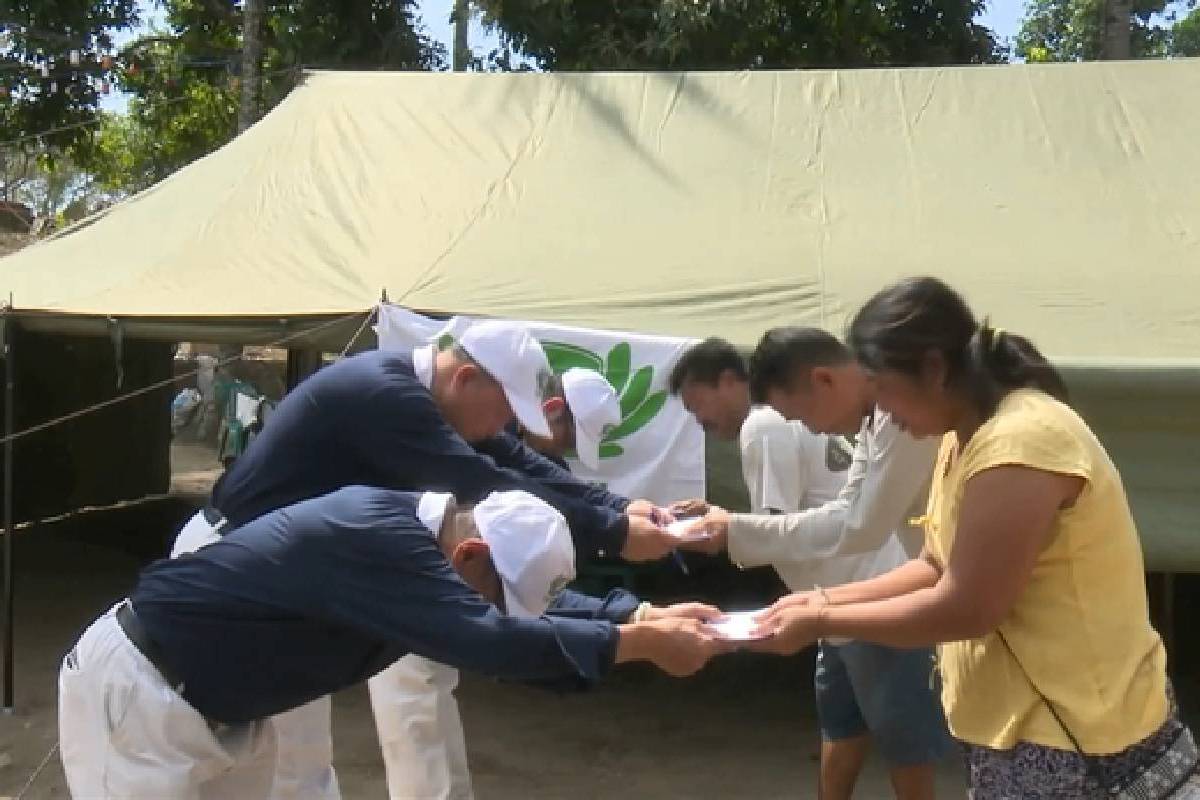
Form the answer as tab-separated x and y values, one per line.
251	58
1117	30
462	22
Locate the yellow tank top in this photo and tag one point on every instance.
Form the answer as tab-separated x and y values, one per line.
1080	627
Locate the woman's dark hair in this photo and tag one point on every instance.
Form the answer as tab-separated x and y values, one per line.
901	324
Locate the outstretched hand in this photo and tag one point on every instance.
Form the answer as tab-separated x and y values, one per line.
679	647
695	507
788	626
646	540
655	513
708	534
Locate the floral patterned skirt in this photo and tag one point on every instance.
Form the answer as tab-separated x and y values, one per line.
1163	765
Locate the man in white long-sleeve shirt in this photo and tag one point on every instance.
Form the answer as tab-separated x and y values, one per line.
864	692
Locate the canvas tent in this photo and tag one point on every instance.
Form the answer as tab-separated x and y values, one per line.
1061	198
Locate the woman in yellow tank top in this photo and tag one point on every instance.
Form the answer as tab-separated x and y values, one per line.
1031	579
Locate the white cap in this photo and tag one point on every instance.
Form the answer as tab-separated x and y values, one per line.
517	361
531	549
596	408
431	510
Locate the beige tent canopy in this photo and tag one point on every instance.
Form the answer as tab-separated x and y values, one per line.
1062	199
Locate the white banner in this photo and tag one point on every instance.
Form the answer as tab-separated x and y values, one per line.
657	452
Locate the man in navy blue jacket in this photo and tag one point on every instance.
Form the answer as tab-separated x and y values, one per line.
430	421
170	694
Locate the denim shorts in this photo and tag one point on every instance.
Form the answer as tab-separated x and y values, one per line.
886	692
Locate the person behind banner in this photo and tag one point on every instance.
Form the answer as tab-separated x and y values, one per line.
1031	578
173	692
580	407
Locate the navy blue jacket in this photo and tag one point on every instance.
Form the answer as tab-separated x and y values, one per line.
323	594
368	420
507	450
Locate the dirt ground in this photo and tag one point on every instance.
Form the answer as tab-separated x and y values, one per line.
194	470
743	728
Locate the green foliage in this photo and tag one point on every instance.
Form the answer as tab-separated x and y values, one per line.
176	118
37	35
186	79
1073	30
1185	36
736	34
51	186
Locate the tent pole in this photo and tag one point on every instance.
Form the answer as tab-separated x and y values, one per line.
10	330
301	362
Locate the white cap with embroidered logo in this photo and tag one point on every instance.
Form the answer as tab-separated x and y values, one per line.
531	549
514	358
596	408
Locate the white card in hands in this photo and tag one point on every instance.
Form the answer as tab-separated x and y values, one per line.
679	529
738	626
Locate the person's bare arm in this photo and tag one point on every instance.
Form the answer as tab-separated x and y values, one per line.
1006	518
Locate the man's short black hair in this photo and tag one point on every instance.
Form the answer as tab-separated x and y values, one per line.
706	362
787	353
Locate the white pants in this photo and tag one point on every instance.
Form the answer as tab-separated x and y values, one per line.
125	734
195	534
303	741
304	753
420	732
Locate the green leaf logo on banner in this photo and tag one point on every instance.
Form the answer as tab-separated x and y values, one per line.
635	392
637	419
563	356
638	405
617	368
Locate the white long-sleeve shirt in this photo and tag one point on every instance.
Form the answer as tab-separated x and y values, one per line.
863	532
786	466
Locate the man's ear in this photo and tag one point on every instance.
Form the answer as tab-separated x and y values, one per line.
472	560
469	555
821	376
553	407
933	368
465	374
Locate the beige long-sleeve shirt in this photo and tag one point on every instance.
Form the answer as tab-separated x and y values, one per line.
862	533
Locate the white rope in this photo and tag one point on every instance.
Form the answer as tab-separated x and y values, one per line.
37	772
